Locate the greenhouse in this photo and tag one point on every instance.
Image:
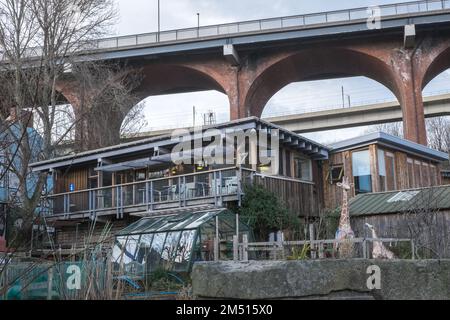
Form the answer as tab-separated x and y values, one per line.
174	243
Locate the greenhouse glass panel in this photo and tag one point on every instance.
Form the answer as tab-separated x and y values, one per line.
154	257
170	248
145	246
125	249
184	251
176	242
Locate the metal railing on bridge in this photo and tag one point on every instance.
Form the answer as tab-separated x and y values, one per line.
262	25
257	26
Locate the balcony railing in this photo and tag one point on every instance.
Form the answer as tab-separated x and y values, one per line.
212	187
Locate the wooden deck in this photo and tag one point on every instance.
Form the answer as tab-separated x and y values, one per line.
155	197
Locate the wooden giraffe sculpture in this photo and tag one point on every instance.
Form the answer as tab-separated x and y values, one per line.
345	231
379	250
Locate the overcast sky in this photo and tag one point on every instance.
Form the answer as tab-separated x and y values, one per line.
140	16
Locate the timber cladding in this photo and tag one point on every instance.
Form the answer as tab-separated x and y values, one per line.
78	236
435	235
402	171
299	198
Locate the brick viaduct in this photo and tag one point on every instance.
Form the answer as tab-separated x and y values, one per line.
264	70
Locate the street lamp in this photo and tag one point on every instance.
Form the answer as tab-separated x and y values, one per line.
159	20
198	24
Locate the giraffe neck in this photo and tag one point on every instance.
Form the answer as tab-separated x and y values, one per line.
345	219
374	234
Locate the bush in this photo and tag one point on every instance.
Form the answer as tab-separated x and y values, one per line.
265	213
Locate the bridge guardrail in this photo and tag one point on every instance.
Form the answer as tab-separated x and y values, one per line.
261	25
297	21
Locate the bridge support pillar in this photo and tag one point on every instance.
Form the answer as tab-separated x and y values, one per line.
414	116
411	101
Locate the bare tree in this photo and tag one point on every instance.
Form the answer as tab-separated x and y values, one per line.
395	129
38	39
106	97
438	130
423	222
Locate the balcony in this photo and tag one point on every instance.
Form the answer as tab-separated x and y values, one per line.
211	188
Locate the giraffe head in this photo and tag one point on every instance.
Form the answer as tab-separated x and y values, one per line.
370	227
345	184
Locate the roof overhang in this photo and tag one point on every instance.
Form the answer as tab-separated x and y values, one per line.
287	138
390	141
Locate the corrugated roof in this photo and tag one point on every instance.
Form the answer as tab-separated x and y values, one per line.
401	201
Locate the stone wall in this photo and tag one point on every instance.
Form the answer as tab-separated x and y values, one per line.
322	279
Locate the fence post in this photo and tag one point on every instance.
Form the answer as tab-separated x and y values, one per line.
413	249
235	248
245	248
280	246
364	248
321	250
312	239
50	284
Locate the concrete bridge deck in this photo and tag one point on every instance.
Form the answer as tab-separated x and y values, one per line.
372	114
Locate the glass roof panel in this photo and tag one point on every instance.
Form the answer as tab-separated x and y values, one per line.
183	221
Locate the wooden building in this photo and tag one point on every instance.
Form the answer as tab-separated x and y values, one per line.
379	162
167	175
422	215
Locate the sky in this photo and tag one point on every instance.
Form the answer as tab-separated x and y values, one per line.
170	111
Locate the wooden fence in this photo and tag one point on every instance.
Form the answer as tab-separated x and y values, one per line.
317	249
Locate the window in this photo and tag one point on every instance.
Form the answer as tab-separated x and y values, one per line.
288	172
425	175
141	175
417	174
411	183
382	170
390	172
433	175
337	172
361	171
403	196
302	167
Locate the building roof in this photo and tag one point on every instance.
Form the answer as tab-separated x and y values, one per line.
315	149
391	141
434	198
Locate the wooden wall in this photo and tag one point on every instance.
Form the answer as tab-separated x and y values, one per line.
418	176
69	236
79	178
300	198
396	226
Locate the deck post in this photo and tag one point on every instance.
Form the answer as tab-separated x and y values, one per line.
147	191
90	202
152	196
214	188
